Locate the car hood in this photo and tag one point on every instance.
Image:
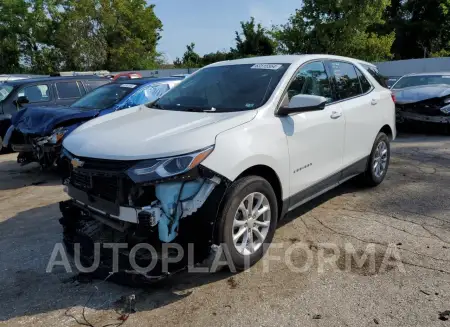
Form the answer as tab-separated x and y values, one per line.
42	121
421	93
143	133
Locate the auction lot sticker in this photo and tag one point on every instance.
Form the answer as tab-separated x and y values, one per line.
266	66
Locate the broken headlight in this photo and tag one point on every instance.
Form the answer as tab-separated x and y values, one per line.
57	135
148	170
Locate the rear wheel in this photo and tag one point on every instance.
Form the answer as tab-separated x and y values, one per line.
248	220
378	162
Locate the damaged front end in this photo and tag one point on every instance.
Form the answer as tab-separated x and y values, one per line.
429	103
42	149
152	202
432	111
38	132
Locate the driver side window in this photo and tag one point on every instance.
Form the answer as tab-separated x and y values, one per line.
311	79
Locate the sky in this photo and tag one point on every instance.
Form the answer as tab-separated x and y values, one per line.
211	24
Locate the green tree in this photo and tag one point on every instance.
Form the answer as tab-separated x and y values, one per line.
190	59
337	27
254	40
43	36
131	32
12	13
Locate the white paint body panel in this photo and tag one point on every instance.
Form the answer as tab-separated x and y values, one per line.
316	145
248	138
143	133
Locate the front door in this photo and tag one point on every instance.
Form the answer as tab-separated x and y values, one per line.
315	138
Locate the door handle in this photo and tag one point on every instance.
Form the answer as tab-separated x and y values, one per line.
374	102
336	114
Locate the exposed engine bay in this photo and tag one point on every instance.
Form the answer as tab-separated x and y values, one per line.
107	206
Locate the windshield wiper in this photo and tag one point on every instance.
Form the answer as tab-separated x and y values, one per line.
155	105
195	109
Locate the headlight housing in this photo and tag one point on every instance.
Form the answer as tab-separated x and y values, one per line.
57	135
153	169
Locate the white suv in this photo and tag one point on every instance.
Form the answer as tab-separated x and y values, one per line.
226	154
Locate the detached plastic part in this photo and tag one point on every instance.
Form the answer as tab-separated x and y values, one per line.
175	205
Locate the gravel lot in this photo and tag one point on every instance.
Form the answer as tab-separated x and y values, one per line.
410	210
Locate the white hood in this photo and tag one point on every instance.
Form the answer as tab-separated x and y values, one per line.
143	133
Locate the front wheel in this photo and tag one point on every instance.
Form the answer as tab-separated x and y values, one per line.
378	162
248	220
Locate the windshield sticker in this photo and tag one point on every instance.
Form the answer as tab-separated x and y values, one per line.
267	66
4	92
130	86
249	105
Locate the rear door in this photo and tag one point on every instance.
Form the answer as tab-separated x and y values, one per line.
359	102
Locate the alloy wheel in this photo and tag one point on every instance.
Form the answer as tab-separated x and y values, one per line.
251	223
380	159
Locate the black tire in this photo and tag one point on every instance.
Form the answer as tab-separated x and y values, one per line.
369	177
2	150
237	193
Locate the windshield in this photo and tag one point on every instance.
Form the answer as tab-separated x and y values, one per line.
5	90
105	96
420	80
224	88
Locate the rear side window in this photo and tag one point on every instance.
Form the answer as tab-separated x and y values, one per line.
92	85
346	79
68	90
365	84
375	74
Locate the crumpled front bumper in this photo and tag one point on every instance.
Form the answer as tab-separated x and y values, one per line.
404	116
85	224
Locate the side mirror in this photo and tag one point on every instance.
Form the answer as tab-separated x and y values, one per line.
22	100
302	103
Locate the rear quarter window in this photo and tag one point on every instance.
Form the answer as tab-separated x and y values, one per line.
376	74
93	84
68	90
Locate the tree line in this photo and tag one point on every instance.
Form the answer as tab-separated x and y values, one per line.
372	30
44	36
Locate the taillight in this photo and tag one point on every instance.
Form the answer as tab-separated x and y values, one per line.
393	97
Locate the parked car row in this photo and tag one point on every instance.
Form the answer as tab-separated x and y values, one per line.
37	133
20	94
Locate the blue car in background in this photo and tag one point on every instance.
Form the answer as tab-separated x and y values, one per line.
37	133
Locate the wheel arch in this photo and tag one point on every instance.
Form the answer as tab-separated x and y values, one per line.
386	129
271	176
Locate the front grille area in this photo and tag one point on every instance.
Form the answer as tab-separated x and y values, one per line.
102	185
106	165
